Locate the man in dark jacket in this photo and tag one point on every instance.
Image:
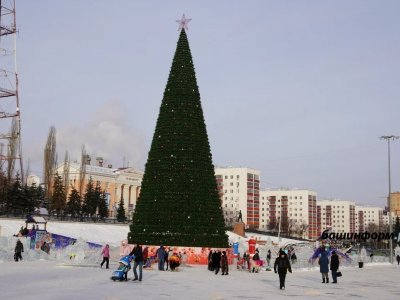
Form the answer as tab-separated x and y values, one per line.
161	258
138	253
216	257
334	266
19	247
281	266
224	263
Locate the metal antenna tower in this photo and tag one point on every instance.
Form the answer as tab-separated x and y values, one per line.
11	161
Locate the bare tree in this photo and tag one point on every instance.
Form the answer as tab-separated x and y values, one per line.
50	160
28	170
292	226
12	149
82	171
302	228
372	227
66	174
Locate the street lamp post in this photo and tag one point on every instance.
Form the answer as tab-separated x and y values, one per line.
389	138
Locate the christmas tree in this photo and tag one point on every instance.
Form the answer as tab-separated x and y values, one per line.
179	203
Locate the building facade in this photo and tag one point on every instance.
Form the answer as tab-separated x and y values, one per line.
116	182
239	190
395	203
338	215
293	211
369	218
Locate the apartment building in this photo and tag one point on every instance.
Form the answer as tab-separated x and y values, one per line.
340	215
293	210
239	190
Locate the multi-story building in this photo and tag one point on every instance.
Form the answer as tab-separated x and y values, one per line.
338	215
116	182
294	211
395	203
239	190
366	216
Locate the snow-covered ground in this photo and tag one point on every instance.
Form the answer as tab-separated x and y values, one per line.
105	233
49	280
95	233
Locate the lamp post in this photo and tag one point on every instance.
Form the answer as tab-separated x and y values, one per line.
389	138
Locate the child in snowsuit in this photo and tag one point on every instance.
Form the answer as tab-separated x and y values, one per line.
281	266
19	247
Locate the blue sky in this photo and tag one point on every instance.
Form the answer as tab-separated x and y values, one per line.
298	89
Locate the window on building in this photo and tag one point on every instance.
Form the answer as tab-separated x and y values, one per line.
231	176
226	177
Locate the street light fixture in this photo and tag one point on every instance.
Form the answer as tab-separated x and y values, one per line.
389	138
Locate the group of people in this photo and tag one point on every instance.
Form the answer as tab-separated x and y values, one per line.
218	260
141	259
324	265
167	258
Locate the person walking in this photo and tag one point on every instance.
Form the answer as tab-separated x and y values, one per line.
224	264
138	261
281	266
106	256
19	248
324	265
217	261
269	257
210	261
161	258
168	255
398	259
246	258
255	262
334	266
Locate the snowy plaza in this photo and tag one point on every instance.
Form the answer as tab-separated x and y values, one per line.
55	277
49	280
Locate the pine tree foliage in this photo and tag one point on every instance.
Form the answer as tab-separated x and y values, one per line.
74	205
103	209
121	217
396	230
58	198
89	200
179	203
15	197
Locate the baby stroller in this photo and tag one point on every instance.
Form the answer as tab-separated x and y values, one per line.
124	266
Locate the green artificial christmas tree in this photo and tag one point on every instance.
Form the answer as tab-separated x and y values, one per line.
179	203
121	211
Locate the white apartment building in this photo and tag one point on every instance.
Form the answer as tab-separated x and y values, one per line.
336	214
239	190
294	209
366	215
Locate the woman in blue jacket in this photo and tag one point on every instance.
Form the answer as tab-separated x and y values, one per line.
324	265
